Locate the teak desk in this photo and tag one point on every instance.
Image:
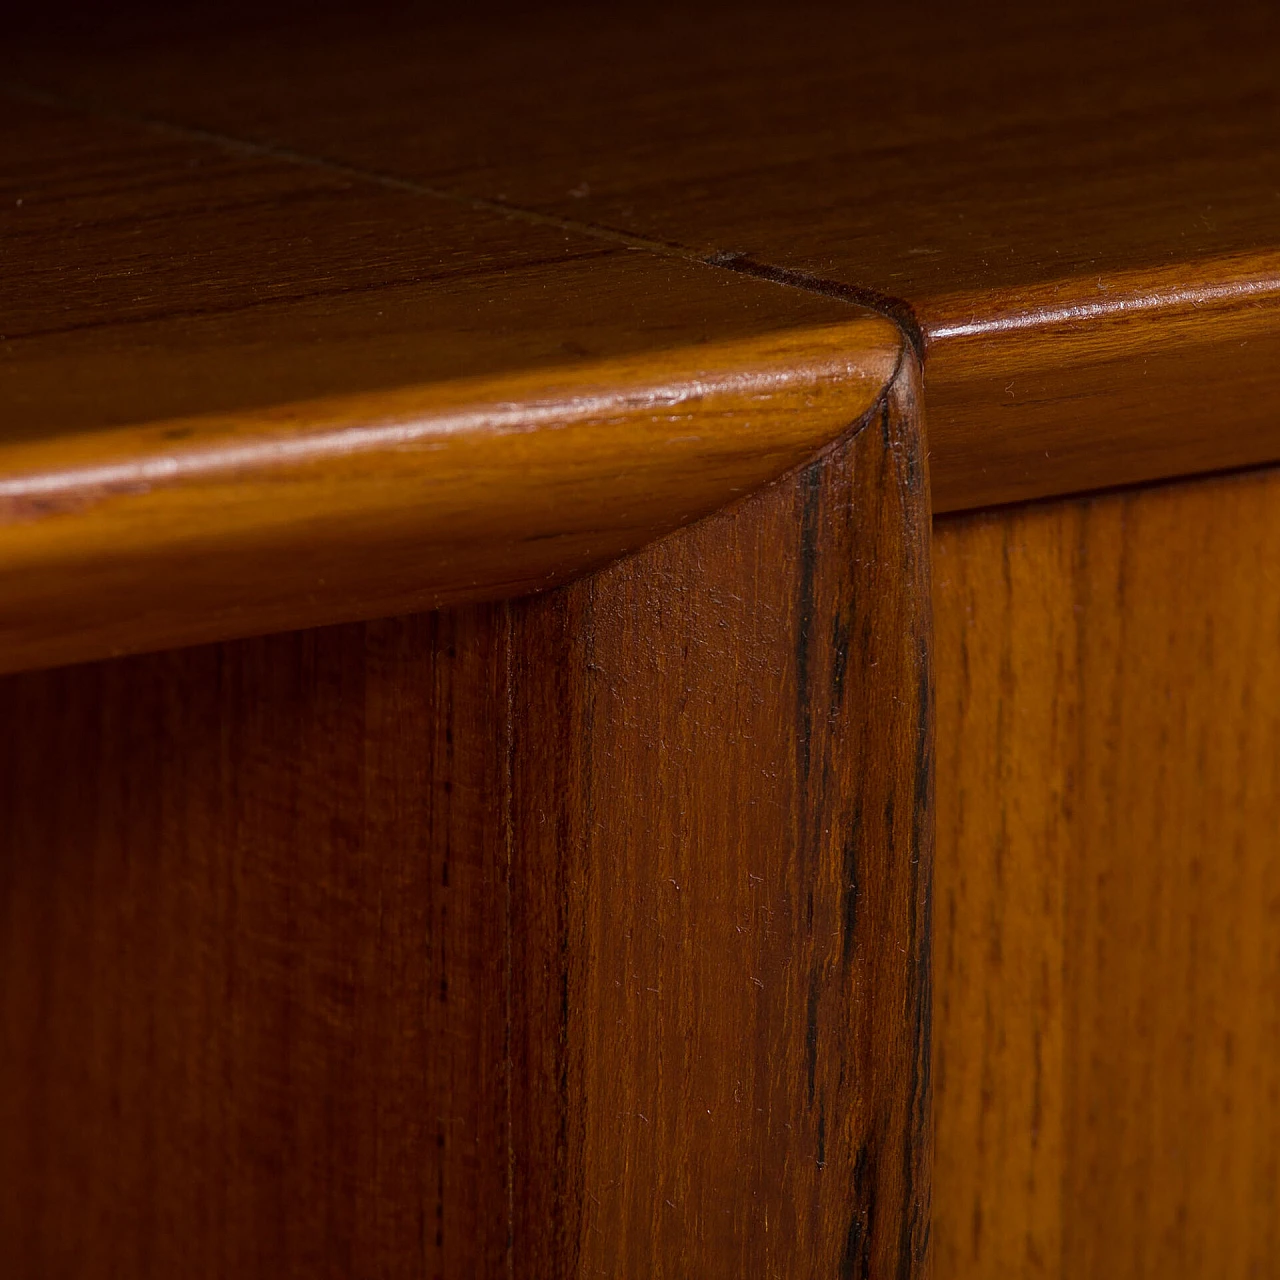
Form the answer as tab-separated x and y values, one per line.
558	571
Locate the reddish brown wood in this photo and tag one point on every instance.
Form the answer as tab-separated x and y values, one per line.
251	962
1108	888
723	813
586	932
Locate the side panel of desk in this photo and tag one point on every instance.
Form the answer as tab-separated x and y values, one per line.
1108	1014
588	932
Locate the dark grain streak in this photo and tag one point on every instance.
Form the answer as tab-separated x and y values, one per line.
852	851
896	309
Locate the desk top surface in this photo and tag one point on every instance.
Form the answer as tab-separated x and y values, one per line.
954	158
245	221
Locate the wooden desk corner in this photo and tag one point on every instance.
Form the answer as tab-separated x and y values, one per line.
517	540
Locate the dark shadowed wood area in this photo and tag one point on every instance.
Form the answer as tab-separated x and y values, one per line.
1071	208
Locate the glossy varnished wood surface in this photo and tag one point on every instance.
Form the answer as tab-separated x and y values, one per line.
241	395
582	933
155	276
353	507
1073	209
1108	895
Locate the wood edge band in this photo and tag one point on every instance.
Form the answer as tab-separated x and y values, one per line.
168	534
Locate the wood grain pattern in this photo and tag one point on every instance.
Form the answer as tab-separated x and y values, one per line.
735	972
292	398
585	932
251	974
1073	208
1179	362
174	532
156	276
1108	802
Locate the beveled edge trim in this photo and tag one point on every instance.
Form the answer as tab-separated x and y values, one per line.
352	507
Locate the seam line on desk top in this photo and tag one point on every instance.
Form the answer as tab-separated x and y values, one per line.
897	310
283	299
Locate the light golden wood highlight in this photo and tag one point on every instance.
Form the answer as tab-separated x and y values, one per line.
1107	1024
174	532
1178	362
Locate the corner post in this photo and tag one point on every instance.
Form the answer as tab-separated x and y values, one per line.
721	836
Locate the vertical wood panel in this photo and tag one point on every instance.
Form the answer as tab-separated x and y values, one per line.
730	779
1007	729
1109	892
251	968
